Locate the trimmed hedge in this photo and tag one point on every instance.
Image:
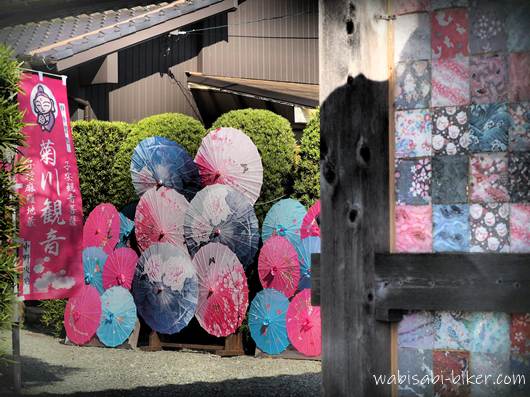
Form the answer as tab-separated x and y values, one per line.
307	182
53	316
96	146
274	138
184	130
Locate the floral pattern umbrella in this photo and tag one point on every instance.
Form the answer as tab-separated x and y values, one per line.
118	316
303	324
228	156
311	222
165	288
82	315
219	213
102	228
160	218
223	290
126	228
157	162
94	260
310	245
267	321
119	268
278	265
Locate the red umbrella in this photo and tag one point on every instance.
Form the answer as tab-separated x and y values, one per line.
303	324
311	222
82	315
119	268
278	265
102	228
223	291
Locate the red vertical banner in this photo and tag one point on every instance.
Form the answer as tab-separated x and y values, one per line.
51	218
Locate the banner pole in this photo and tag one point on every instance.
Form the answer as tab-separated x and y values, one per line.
15	340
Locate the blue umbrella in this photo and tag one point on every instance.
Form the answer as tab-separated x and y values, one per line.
310	245
266	319
165	288
221	214
157	161
126	228
94	259
118	316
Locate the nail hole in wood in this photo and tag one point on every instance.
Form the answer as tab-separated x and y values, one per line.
329	173
370	297
516	284
349	26
499	281
349	80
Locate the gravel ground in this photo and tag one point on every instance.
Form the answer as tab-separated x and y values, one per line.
52	368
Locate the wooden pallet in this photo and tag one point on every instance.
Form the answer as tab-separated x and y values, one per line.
290	354
130	344
233	345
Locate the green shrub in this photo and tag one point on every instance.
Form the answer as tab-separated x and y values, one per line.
182	129
274	138
53	315
96	146
307	181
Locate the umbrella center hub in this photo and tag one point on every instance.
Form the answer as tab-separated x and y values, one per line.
120	279
266	322
306	325
88	278
210	293
110	317
98	231
274	270
280	230
161	236
217	232
76	315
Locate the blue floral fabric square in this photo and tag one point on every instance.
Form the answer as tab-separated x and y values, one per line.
451	228
413	181
489	363
519	170
487	26
489	126
449	179
413	85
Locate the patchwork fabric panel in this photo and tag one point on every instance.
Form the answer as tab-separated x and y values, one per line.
490	364
451	228
519	76
450	31
416	362
413	228
519	169
449	180
520	365
448	363
489	227
413	181
413	133
517	26
416	330
450	130
489	79
520	333
412	37
487	26
450	82
519	229
413	85
520	126
489	126
489	178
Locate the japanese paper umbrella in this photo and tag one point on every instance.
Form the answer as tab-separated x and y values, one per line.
228	156
126	228
160	218
94	260
310	245
221	214
311	222
267	321
303	324
82	315
118	316
119	268
165	288
157	161
102	228
278	265
223	290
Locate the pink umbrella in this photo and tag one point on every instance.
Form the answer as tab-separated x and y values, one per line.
119	268
160	218
223	291
278	265
82	315
303	324
227	156
102	228
311	222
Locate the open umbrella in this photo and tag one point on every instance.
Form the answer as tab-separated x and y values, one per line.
228	156
223	290
310	245
311	222
278	265
119	268
219	213
126	228
102	228
157	161
303	324
266	320
94	260
160	218
118	316
165	288
82	314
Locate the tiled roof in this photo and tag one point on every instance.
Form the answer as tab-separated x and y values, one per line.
61	38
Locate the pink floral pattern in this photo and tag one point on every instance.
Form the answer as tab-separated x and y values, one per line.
488	79
519	76
450	82
447	363
413	228
450	30
413	181
489	227
520	333
520	128
413	133
489	178
519	228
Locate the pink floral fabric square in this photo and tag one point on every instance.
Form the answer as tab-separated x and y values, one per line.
520	128
413	133
413	228
488	79
408	6
489	178
520	333
450	82
519	76
450	33
520	228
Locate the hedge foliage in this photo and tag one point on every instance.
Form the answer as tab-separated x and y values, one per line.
274	138
307	182
96	146
183	129
53	316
